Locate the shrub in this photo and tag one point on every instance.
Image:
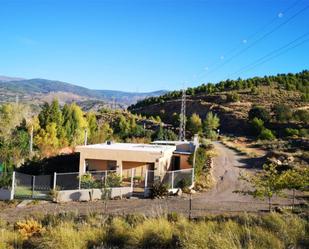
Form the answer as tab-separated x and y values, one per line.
183	183
113	180
159	189
291	132
5	180
257	126
87	181
282	112
301	116
29	228
267	134
260	113
232	97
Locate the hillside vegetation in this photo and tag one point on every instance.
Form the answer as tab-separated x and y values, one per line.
231	100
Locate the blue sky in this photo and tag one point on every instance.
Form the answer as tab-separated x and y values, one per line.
149	45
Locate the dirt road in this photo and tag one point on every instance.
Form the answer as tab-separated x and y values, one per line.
220	199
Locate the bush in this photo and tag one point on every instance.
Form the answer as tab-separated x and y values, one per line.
301	116
267	134
5	180
260	113
159	189
184	183
283	112
257	126
232	97
291	132
113	180
29	228
87	181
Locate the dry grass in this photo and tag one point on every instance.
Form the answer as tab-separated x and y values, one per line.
174	231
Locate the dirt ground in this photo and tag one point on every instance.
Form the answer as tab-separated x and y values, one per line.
221	199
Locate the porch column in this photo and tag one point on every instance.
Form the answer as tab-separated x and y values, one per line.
119	167
82	165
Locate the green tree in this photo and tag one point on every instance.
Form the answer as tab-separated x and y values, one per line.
266	134
257	126
301	116
74	124
295	180
194	124
211	124
92	126
105	132
266	183
283	113
260	113
47	140
123	127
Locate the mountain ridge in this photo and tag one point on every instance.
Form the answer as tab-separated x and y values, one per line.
37	89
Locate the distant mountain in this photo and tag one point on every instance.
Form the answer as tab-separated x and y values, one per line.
39	90
5	78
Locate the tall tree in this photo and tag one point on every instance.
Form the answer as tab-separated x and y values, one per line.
210	124
195	123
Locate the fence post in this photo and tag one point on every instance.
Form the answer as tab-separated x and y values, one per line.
105	178
146	178
33	185
172	179
132	178
55	180
79	180
13	186
192	176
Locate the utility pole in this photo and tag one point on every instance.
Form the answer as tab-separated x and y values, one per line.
182	127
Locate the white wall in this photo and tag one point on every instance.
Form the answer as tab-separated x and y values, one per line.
6	194
84	194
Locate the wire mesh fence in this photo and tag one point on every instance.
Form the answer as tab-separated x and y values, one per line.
31	186
67	181
23	185
179	178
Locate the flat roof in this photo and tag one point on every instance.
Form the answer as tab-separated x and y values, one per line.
130	147
167	142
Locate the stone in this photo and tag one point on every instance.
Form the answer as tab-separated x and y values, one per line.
179	192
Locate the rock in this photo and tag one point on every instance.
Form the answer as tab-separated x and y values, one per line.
290	159
192	191
179	192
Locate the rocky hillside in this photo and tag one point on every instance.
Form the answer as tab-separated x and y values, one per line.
231	100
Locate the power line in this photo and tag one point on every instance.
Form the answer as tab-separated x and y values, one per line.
278	50
277	55
260	39
254	34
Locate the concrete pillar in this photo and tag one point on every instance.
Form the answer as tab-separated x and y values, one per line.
157	170
82	165
119	167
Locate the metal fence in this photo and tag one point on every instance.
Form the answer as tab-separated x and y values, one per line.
97	179
31	186
174	179
66	181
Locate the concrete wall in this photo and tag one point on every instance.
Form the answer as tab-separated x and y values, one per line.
121	156
6	194
84	194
